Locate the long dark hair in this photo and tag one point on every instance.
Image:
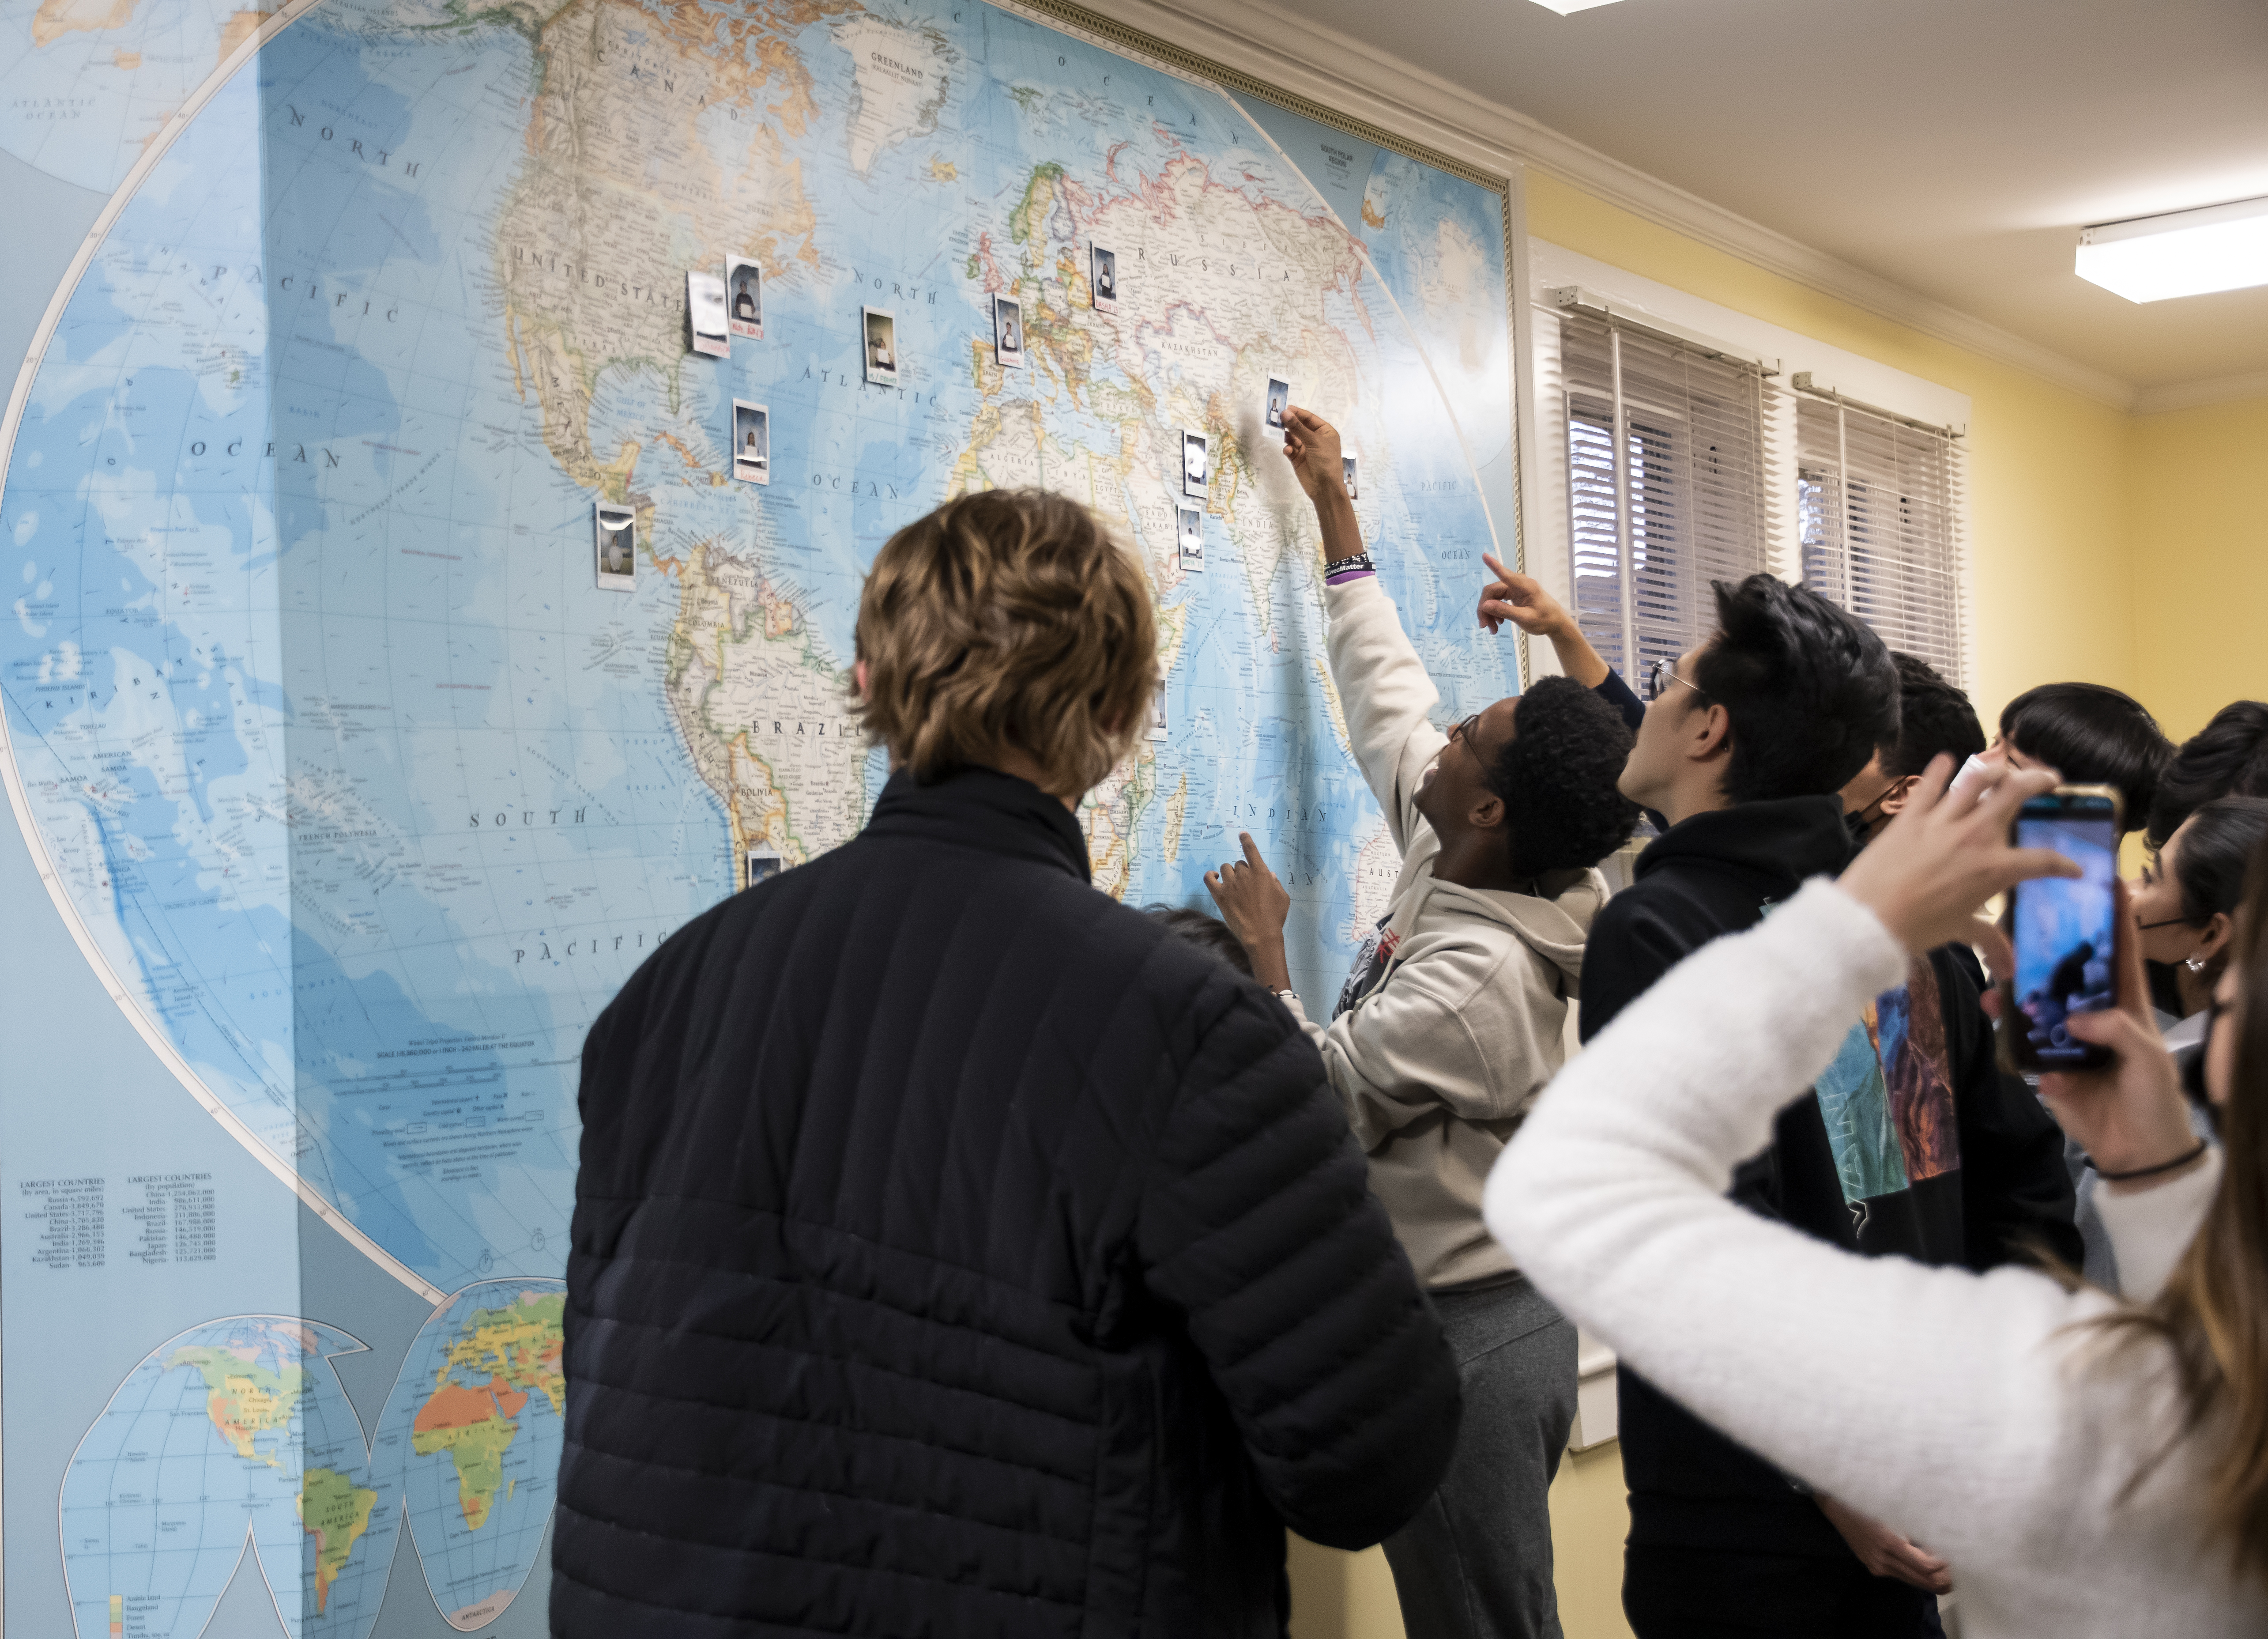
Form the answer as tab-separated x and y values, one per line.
2213	1312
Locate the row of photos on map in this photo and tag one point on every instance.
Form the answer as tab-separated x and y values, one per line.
719	309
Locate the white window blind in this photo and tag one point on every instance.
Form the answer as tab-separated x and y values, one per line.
1667	485
1880	502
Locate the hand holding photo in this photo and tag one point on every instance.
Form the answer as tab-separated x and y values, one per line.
616	542
1102	277
752	442
881	330
744	286
1196	463
1346	471
1279	393
1191	520
1007	331
704	316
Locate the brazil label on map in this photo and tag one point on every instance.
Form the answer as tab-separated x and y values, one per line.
361	779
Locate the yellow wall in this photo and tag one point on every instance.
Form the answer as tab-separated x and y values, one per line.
2200	560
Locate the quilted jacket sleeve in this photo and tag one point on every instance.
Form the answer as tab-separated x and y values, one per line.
1258	1223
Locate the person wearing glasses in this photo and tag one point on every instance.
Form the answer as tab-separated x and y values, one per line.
1748	741
1452	1021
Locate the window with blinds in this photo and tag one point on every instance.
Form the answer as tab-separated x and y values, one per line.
1879	500
1668	487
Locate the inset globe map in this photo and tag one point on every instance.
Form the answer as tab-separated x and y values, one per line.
233	1429
476	1423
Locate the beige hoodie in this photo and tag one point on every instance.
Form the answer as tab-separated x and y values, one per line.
1439	1059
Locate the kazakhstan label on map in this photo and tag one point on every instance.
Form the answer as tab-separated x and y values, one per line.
362	790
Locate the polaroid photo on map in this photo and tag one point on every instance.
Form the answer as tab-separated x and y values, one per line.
617	548
704	316
1157	707
1008	331
881	330
743	289
1102	279
1346	472
759	865
1279	393
752	442
1189	522
1196	463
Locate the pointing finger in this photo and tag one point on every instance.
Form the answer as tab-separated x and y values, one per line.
1251	850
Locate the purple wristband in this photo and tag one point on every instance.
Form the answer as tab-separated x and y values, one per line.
1339	570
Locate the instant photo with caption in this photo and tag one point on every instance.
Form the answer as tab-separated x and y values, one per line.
881	330
1007	331
1280	394
1346	472
615	529
1102	279
704	316
744	291
1196	463
752	442
1190	521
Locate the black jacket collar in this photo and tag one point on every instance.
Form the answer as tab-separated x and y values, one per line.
1779	845
977	808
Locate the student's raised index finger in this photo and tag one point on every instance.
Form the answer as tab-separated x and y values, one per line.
1251	850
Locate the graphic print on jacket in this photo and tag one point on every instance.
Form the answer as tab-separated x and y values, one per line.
1887	1099
1371	959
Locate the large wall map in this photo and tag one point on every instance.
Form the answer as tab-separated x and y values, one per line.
360	797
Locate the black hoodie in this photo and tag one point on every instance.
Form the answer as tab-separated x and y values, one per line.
1933	1157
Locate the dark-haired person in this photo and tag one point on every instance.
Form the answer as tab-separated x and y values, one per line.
1452	1021
2090	733
2228	757
2098	1466
956	1251
1749	741
1931	1040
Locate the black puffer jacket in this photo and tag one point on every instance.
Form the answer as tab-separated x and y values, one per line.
955	1252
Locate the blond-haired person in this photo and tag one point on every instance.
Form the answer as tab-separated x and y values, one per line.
955	1251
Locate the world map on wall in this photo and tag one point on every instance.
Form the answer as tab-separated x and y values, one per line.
364	792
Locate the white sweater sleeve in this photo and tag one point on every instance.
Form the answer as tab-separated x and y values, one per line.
1930	1398
1385	694
2151	1229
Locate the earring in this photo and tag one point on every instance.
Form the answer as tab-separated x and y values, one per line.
2195	964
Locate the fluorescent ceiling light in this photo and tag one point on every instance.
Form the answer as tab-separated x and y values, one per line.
1563	7
2184	253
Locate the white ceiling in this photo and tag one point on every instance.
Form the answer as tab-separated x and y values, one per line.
1954	146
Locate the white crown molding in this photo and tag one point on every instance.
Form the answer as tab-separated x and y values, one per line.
1277	45
2228	390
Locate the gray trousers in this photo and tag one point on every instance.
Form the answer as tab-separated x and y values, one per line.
1476	1562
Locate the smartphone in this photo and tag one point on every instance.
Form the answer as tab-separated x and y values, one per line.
2064	929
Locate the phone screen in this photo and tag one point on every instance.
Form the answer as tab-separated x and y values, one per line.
2065	927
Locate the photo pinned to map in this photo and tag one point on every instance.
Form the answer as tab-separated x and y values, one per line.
1157	707
1196	463
1346	471
761	865
704	316
617	548
744	285
881	328
752	442
474	1426
1191	521
1103	287
1280	394
1008	331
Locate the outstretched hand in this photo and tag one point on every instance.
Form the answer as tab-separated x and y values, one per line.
1255	906
1936	863
1313	447
1519	598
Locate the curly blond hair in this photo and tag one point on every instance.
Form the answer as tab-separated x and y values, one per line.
1007	619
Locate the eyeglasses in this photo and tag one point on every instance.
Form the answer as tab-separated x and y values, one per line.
1661	669
1466	730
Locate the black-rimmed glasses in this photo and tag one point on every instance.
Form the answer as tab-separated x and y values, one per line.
1659	670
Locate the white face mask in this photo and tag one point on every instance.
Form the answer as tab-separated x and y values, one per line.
1973	779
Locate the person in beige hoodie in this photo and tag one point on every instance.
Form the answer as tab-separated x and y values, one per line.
1448	1029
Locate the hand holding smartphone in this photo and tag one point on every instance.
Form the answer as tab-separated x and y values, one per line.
2064	930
